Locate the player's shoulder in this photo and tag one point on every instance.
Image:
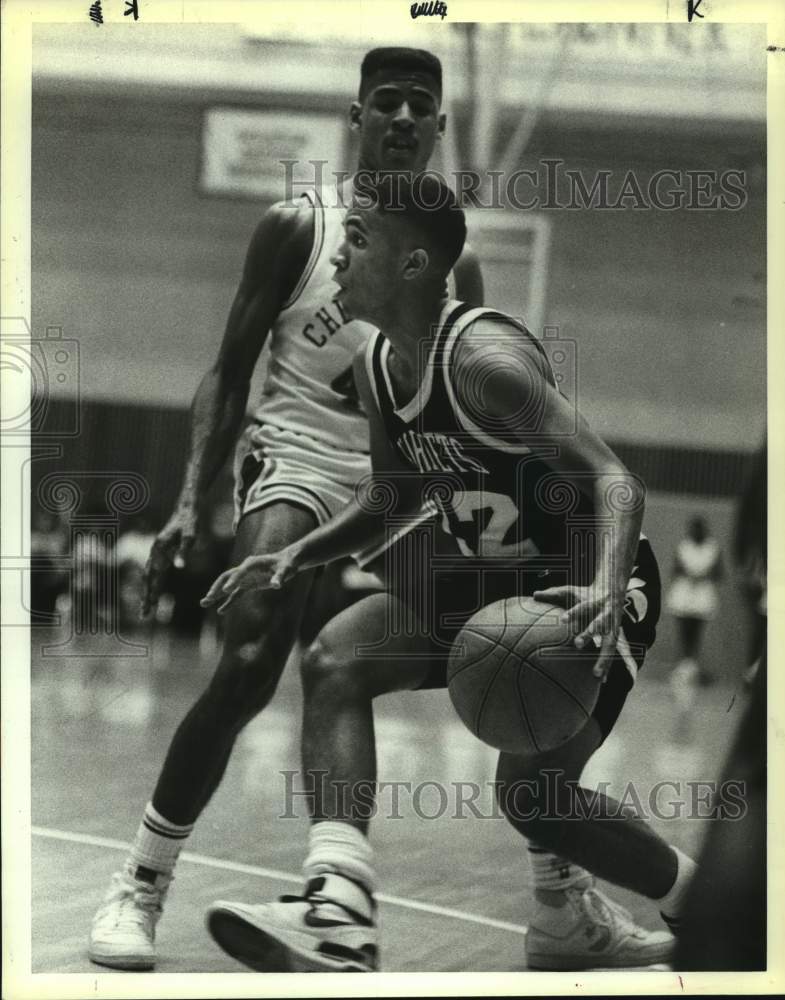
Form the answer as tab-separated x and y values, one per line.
492	334
497	353
282	240
290	218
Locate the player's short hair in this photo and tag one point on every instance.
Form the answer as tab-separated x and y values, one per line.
426	203
391	63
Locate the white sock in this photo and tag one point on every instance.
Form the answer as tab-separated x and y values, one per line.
157	844
342	848
555	874
670	904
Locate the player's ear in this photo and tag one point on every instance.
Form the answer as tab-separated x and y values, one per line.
355	116
442	123
416	263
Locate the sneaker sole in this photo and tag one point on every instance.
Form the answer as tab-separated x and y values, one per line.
262	951
122	962
565	963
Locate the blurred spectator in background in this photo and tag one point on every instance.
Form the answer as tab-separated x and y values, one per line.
134	544
692	597
48	578
724	917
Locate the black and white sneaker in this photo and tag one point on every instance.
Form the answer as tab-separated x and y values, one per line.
331	928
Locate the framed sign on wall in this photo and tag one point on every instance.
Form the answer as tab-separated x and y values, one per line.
269	155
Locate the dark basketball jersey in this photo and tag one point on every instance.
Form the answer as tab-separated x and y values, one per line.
500	499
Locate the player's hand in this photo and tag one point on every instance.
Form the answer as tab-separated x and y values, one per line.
169	548
266	572
595	616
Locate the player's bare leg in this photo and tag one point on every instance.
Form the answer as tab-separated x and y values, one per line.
572	832
331	927
260	631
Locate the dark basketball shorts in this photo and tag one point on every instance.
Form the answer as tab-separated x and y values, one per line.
450	596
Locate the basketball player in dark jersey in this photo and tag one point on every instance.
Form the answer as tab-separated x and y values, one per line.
305	450
465	412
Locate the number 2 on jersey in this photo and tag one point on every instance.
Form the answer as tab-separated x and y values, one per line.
480	522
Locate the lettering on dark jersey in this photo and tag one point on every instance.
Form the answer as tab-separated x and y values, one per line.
434	452
325	323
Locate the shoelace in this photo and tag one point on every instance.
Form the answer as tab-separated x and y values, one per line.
128	906
597	906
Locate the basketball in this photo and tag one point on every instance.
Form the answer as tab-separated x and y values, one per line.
517	680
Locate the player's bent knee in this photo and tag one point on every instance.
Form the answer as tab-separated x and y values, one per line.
323	669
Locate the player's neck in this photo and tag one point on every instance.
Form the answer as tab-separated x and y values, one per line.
411	323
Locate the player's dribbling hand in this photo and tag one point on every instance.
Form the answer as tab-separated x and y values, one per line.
266	572
169	548
594	616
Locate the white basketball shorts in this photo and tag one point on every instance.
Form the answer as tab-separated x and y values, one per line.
273	464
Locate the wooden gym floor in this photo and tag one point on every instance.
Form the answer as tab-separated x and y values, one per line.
455	892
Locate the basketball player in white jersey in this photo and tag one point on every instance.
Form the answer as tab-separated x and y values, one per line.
527	491
304	451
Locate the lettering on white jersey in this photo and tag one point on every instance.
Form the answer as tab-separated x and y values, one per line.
326	322
309	389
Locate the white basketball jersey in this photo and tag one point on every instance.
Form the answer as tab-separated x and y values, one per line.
310	386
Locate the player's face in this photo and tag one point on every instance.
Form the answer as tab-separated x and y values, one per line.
366	265
399	122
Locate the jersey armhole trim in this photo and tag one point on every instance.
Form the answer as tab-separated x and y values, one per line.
316	247
375	344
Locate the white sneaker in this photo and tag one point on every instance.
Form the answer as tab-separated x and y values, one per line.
123	931
590	931
309	933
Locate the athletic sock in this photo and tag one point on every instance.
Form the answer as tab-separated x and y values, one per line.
157	844
341	856
554	875
671	903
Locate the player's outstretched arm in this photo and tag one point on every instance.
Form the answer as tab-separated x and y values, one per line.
519	404
274	261
361	524
263	572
